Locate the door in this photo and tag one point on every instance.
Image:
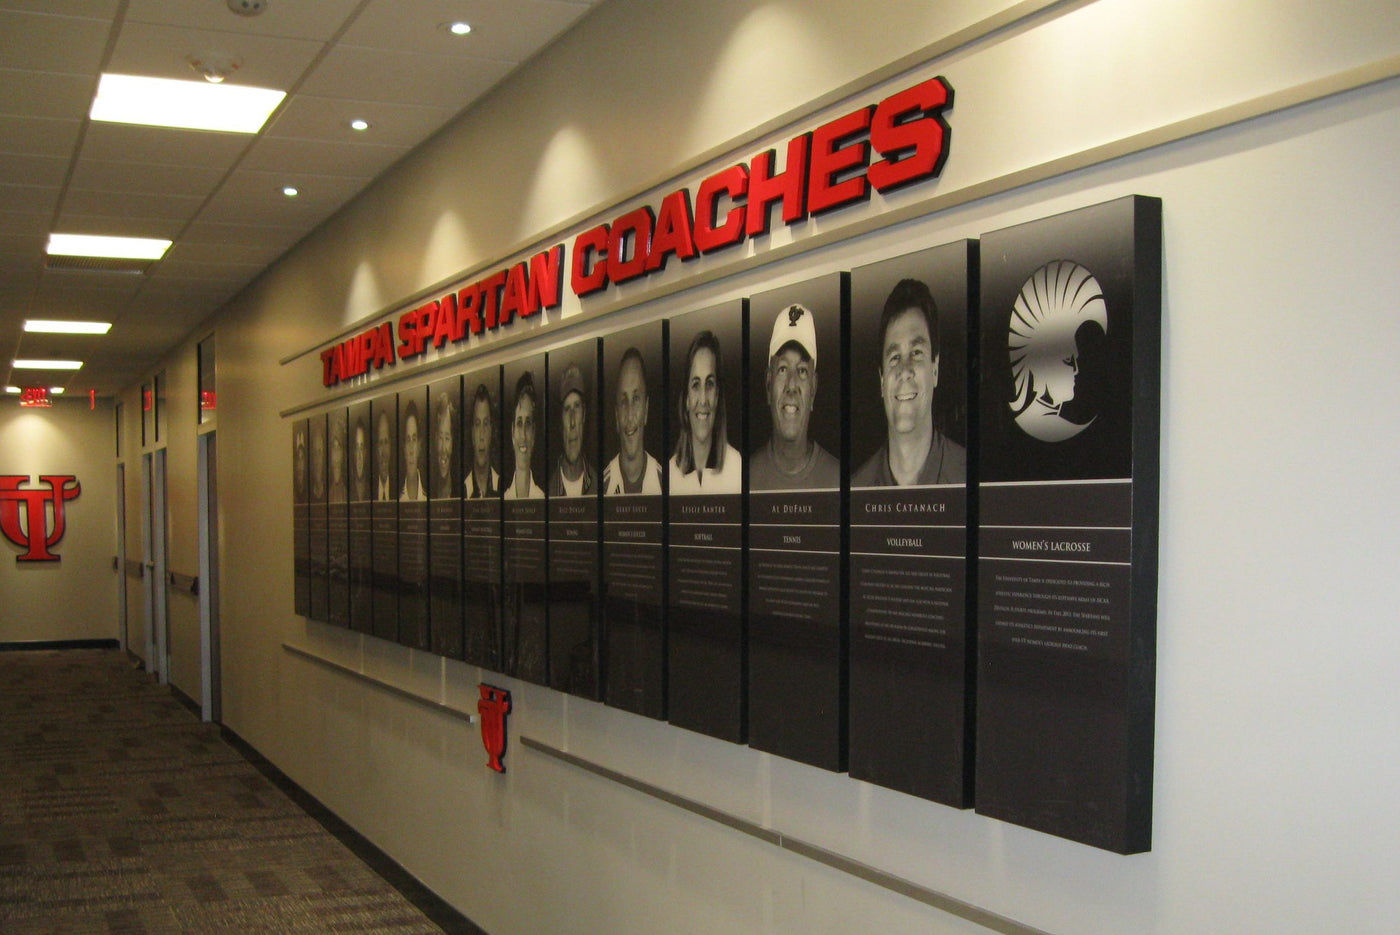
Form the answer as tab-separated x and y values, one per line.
156	588
121	555
211	706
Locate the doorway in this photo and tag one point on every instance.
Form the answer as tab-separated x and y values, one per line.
153	536
211	706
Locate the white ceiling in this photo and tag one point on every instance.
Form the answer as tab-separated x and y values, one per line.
217	195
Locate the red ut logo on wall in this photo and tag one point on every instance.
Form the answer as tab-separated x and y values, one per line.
493	706
33	532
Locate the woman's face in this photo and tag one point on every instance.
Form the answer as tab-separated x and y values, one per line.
702	396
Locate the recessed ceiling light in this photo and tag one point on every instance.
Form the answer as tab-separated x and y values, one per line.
358	124
458	28
48	364
290	191
56	391
190	105
127	248
41	326
12	389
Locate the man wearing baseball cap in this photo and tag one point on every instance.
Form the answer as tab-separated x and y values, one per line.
573	476
791	460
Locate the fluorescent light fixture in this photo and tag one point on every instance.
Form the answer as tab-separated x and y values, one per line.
41	326
189	105
48	364
124	248
13	390
55	391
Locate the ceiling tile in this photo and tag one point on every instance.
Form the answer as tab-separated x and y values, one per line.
43	42
298	19
29	199
119	225
328	119
256	198
150	178
138	204
119	142
28	248
319	158
34	224
221	252
70	285
214	274
92	9
162	52
45	171
403	77
271	238
38	136
509	32
45	94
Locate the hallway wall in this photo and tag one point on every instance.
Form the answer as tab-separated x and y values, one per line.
1277	646
74	598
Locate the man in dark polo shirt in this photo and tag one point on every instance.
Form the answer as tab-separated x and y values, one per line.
915	452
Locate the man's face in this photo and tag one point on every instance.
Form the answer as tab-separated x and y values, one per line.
573	427
908	373
410	441
361	453
444	444
792	386
337	457
481	434
631	409
522	432
383	445
300	456
702	395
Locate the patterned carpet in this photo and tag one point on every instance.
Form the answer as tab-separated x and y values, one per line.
122	814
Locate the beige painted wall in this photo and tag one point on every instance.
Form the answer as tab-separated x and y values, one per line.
1277	648
76	597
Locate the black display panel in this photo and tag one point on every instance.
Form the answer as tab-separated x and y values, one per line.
797	645
705	522
481	516
413	519
574	486
1067	567
338	519
634	528
384	515
361	538
301	518
910	646
319	537
445	517
524	626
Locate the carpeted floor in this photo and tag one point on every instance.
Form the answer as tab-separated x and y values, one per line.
122	814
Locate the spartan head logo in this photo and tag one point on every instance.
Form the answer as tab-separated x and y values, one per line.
795	312
1056	303
30	527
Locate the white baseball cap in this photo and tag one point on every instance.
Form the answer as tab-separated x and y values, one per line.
794	323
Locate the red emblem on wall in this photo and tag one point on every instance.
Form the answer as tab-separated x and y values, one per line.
35	532
493	706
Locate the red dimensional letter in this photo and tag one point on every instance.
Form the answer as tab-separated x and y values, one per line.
910	132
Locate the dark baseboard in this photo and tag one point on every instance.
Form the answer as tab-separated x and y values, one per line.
429	903
33	645
187	701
